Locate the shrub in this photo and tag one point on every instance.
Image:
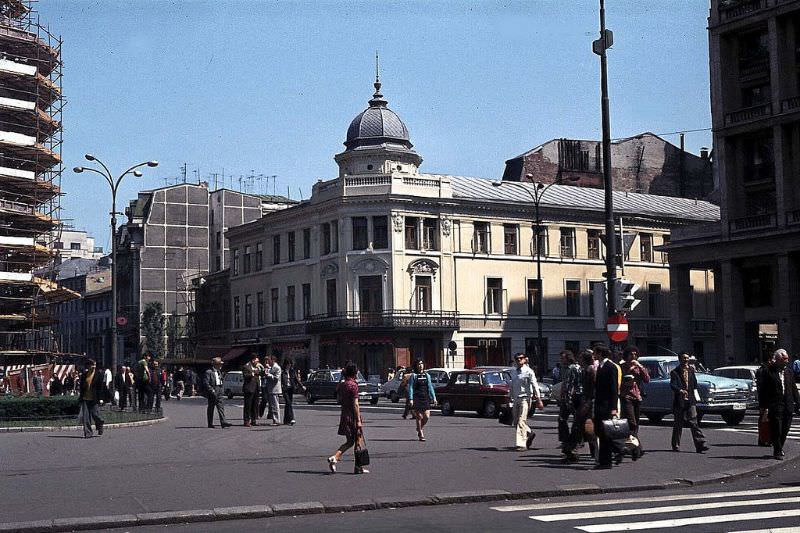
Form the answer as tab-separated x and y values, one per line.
38	407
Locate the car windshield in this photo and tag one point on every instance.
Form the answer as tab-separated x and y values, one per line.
493	378
336	375
669	366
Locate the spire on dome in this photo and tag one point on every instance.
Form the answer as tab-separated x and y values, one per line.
377	98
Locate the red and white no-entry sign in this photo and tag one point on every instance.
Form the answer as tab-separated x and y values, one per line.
617	328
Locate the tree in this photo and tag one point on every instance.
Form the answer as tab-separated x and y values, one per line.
153	329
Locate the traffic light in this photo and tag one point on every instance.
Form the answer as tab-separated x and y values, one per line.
626	299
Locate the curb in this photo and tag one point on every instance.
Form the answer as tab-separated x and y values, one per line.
76	427
326	507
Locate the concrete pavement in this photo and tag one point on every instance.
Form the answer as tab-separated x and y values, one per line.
180	465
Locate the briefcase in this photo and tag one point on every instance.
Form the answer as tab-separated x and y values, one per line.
616	429
764	435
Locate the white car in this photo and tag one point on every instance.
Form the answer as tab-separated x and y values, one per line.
232	384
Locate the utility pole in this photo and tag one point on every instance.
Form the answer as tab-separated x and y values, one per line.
599	47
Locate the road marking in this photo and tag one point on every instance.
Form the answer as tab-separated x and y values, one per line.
660	510
680	522
790	529
676	497
794	433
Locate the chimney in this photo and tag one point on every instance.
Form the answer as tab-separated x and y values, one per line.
704	152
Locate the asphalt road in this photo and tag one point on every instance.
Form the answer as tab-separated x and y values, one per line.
752	503
180	464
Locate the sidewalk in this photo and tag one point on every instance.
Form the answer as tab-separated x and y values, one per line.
180	465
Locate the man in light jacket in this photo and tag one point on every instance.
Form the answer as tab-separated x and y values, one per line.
273	388
524	391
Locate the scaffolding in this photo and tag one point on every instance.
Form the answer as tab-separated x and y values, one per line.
31	106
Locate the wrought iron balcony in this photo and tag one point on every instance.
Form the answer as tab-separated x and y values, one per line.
748	113
732	9
752	222
391	319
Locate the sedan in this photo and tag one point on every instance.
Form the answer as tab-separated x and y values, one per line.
483	391
323	385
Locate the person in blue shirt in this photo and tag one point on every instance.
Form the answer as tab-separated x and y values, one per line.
421	396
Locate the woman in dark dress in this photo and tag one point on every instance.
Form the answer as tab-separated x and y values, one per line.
290	383
421	396
350	423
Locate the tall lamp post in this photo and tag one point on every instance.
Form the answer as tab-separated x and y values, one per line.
536	194
114	184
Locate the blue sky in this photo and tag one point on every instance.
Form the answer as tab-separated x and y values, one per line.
270	87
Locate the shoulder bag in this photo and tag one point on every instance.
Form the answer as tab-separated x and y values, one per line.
361	451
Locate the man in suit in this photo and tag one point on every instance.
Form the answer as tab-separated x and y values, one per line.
780	399
121	387
683	382
156	386
251	375
92	391
212	386
142	373
606	401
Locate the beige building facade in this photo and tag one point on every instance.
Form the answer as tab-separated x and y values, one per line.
384	265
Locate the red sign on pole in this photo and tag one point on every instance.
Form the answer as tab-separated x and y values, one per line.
617	328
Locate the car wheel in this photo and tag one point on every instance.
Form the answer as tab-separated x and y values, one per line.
310	398
733	418
489	409
374	400
394	397
655	418
447	408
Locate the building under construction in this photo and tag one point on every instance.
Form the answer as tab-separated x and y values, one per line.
30	170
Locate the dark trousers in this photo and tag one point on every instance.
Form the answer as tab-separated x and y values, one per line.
250	413
288	402
687	417
123	398
157	391
92	414
565	410
215	402
606	448
779	424
141	394
631	410
148	392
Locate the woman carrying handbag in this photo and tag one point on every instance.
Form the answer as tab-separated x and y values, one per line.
350	423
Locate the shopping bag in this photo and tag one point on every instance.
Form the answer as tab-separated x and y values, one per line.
764	434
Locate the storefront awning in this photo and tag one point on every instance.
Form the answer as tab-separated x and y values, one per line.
234	353
370	340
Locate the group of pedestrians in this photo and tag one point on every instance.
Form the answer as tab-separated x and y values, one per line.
262	386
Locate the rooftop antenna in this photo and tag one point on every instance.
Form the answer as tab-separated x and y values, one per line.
183	171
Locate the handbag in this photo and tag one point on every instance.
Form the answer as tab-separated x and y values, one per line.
764	433
616	429
588	428
361	452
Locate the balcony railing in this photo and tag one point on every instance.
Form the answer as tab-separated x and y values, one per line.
753	222
790	104
732	9
793	217
754	66
391	319
703	327
748	113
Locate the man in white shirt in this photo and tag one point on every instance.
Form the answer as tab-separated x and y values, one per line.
273	389
524	391
212	385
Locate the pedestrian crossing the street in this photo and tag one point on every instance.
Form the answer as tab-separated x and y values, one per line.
794	431
661	512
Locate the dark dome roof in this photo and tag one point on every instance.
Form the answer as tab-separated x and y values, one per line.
377	125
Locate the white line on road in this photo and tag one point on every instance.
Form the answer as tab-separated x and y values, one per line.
675	497
661	510
679	522
790	529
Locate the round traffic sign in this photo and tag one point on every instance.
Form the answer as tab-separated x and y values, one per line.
122	321
617	328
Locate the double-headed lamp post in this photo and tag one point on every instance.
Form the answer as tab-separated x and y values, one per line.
536	194
114	184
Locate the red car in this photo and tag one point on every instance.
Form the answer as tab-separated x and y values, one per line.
483	391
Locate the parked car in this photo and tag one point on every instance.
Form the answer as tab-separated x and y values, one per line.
439	376
718	395
545	390
481	390
322	385
232	384
746	373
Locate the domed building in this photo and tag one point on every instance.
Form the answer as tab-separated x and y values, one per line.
377	142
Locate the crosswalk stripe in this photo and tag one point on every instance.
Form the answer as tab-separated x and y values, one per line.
660	510
790	529
679	522
675	497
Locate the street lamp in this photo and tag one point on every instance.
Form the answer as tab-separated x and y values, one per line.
114	184
536	195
